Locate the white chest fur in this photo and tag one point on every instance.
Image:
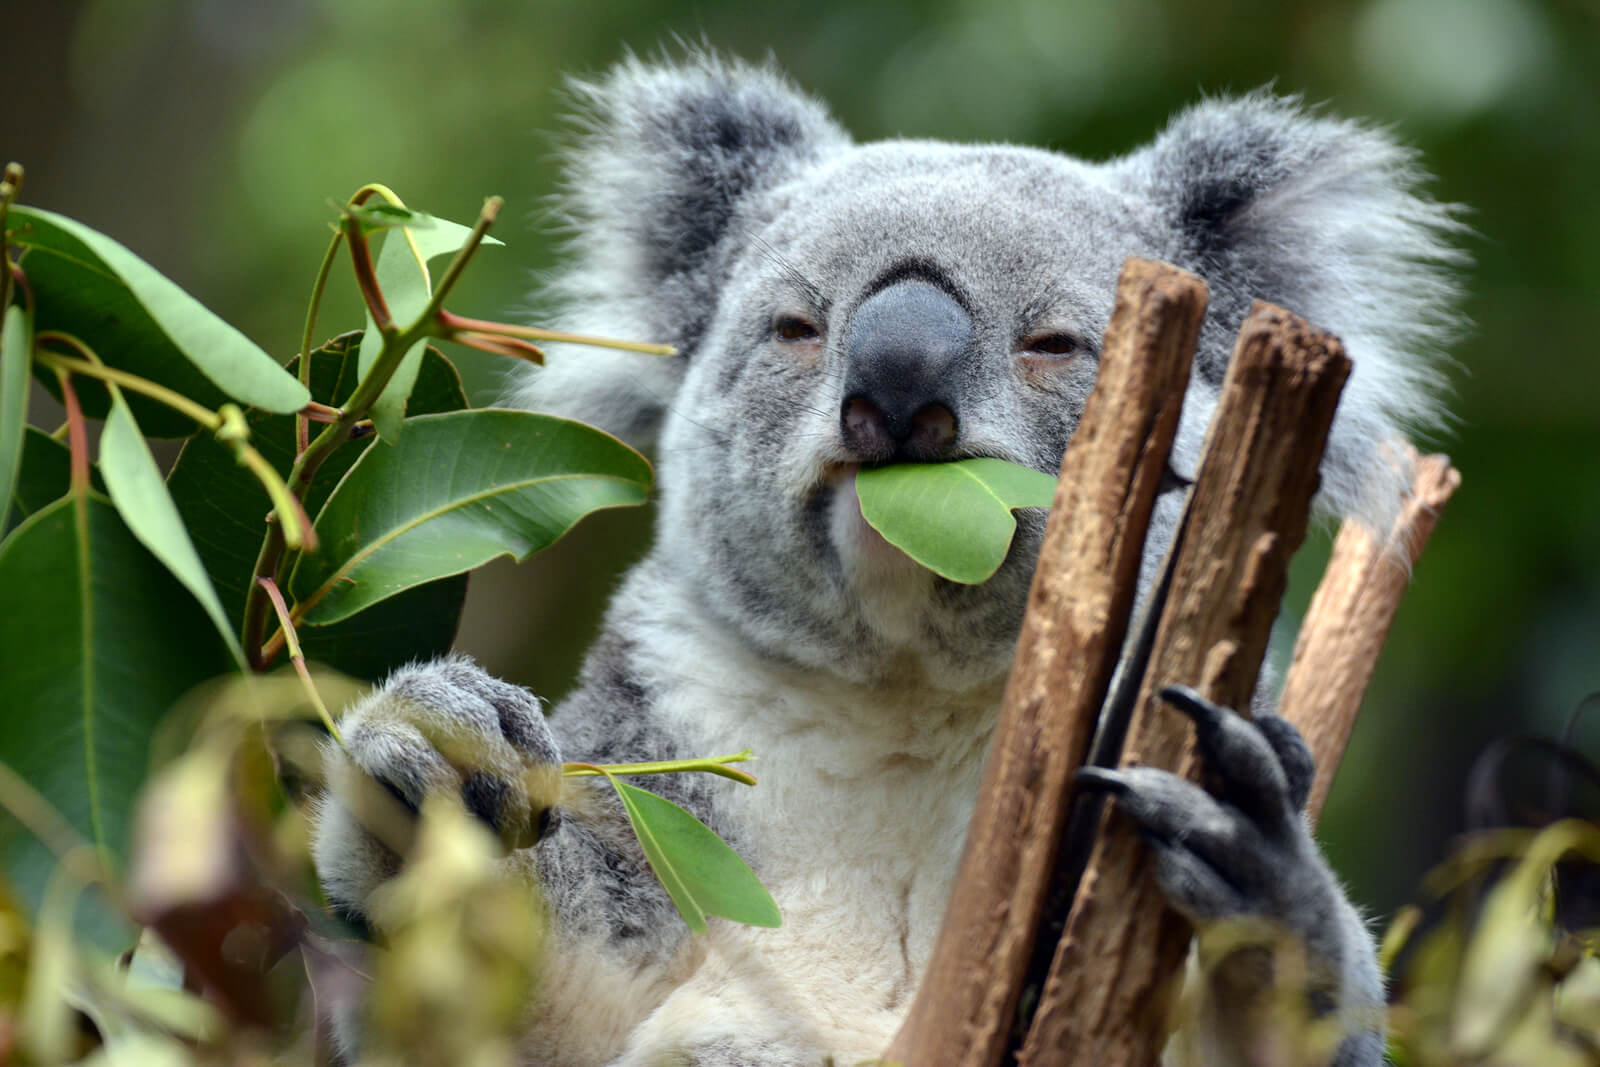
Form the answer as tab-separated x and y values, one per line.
856	828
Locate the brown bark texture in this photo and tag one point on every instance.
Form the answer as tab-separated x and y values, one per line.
1107	998
1349	617
1077	618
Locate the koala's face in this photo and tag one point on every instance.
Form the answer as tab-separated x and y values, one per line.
840	305
900	302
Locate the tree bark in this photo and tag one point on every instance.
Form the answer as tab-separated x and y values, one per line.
1349	617
1077	618
1107	996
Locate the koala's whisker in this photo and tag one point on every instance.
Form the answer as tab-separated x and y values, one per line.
790	271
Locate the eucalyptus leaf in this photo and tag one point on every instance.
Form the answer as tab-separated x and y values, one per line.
953	518
138	320
16	354
458	490
224	510
402	271
140	494
701	874
97	641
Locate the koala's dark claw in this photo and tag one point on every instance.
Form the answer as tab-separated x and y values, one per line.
1191	703
1248	766
1098	778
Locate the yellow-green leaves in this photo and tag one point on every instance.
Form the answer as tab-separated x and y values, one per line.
16	347
140	494
953	518
1486	974
402	271
1505	965
88	285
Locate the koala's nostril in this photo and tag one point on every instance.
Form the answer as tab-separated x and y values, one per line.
873	435
865	430
933	430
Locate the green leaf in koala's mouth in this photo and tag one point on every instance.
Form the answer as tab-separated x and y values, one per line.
953	518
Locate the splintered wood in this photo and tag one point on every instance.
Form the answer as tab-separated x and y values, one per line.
1077	617
1107	997
1349	617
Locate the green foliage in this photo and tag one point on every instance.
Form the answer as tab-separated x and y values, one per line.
402	274
126	593
953	518
140	495
97	641
222	510
454	493
1491	978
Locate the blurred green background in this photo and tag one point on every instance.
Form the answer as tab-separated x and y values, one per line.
213	138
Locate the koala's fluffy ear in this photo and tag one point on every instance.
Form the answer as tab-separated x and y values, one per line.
666	173
1322	216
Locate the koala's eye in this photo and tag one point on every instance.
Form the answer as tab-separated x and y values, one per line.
1051	344
794	328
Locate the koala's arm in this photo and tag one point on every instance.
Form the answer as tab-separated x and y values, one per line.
447	726
1239	856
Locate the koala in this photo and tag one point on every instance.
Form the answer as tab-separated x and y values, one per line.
838	305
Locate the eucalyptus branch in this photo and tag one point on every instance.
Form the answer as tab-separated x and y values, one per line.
367	276
297	657
717	765
458	263
361	255
232	432
91	366
10	186
77	436
302	429
396	343
455	324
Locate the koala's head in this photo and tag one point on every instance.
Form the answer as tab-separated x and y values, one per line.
838	305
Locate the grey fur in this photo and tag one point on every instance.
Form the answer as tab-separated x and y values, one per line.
714	206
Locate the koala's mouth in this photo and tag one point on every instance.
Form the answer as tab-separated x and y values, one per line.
861	551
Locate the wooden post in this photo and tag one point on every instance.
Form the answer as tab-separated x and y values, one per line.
1349	617
1107	996
1077	618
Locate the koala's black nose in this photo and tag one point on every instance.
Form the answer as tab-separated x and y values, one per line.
904	346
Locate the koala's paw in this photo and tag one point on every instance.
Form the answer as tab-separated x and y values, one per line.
1242	849
444	726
